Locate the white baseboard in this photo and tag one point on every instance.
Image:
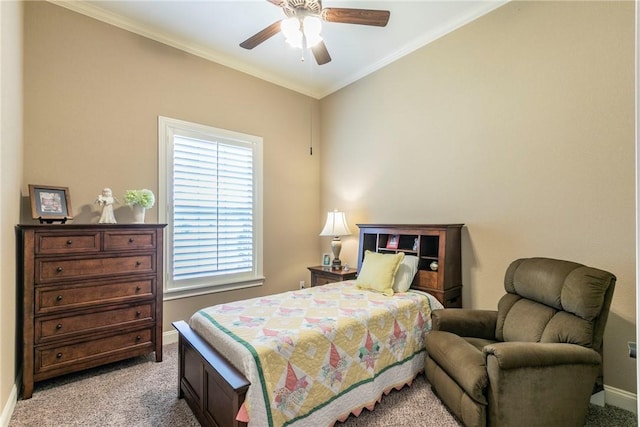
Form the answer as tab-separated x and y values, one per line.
9	406
169	337
598	398
621	399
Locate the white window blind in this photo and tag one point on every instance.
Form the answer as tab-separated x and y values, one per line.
212	210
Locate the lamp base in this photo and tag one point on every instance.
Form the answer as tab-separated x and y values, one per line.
336	246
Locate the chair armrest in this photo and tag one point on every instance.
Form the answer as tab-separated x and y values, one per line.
514	355
547	382
466	322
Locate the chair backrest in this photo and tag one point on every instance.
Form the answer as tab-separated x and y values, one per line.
556	301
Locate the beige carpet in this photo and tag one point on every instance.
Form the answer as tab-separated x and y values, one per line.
141	392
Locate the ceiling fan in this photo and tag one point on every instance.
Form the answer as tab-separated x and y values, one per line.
303	23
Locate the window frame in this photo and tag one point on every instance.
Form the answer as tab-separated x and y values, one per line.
167	128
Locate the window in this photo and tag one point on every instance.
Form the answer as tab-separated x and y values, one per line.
210	196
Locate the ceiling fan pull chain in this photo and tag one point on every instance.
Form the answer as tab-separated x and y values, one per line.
304	42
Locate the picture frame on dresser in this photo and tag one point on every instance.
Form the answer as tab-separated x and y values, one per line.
49	203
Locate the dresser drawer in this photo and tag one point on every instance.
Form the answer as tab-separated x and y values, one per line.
129	240
97	321
52	270
322	280
51	299
87	352
57	243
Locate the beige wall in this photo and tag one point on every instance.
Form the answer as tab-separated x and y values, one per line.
10	180
93	94
521	126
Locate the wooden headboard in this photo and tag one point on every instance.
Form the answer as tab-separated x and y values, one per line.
436	245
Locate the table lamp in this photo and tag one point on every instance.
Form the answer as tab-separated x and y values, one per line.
336	226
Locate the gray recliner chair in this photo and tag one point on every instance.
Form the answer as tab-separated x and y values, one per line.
532	362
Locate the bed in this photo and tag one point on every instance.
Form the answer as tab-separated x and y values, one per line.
309	357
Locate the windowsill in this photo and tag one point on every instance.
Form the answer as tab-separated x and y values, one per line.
174	294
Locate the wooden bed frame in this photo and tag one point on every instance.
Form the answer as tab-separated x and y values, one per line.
215	390
211	386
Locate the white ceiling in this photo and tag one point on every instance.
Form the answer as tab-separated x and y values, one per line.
214	29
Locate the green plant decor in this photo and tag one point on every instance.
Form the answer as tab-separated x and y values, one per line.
143	198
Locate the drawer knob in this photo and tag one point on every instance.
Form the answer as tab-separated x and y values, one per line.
130	239
69	242
59	269
138	314
59	355
138	263
59	298
59	326
138	288
138	338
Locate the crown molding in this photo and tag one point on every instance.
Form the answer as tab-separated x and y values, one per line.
95	12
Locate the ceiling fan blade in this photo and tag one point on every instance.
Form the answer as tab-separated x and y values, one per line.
321	53
276	2
261	36
379	18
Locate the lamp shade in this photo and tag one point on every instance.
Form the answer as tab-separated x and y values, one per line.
336	225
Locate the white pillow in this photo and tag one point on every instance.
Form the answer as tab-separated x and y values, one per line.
405	274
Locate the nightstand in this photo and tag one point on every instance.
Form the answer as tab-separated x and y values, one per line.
323	275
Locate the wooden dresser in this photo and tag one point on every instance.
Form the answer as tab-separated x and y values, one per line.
88	294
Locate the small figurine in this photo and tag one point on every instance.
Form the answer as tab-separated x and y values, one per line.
106	201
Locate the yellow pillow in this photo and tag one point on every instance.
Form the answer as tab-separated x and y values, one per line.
378	271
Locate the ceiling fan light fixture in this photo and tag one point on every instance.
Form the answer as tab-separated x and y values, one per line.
292	29
295	40
312	26
307	16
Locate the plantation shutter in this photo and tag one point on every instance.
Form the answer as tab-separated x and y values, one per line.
213	202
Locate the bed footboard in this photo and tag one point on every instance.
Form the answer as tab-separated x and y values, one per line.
211	386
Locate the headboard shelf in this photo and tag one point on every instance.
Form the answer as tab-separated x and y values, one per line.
438	247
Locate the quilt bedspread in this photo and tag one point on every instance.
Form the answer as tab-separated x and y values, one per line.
304	350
